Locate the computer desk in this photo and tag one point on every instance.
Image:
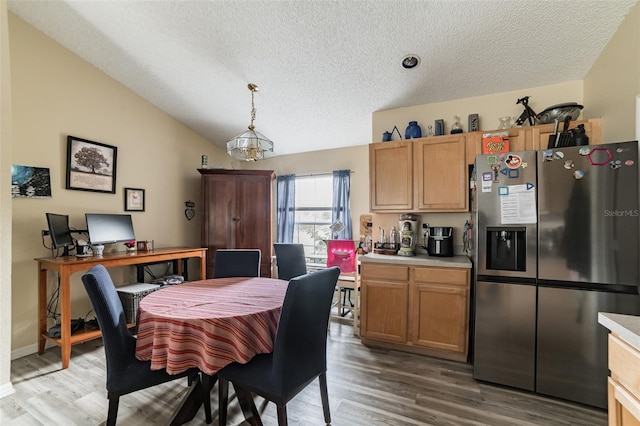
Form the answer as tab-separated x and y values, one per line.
67	265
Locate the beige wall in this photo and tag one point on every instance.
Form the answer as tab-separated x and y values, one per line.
611	86
5	207
489	108
354	158
56	94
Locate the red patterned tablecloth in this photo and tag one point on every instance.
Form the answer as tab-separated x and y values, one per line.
209	324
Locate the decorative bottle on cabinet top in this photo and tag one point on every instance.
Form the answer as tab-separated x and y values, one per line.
413	131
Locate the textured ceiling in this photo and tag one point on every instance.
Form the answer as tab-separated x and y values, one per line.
323	67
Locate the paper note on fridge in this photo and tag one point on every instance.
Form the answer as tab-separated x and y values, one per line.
517	204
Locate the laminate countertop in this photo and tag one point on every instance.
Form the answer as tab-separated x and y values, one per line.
625	326
418	260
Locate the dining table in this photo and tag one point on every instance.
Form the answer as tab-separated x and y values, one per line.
209	324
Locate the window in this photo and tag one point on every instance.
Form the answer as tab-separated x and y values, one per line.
313	215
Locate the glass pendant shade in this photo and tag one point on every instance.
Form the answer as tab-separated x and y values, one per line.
250	145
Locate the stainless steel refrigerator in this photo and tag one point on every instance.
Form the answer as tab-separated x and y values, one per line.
558	241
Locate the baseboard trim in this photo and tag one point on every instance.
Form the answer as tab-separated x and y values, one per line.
29	350
6	390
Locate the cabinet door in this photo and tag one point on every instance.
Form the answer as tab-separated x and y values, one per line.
624	408
252	218
218	227
439	308
441	174
384	300
391	176
383	313
439	317
540	134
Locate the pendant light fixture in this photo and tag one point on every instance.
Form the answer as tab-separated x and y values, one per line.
250	145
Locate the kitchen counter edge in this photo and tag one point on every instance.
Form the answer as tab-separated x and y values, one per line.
625	326
419	260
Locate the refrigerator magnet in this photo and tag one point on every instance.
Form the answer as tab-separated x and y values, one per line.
578	174
513	161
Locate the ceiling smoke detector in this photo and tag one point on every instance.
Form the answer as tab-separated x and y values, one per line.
410	61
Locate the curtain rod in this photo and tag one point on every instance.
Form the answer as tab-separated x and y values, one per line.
320	174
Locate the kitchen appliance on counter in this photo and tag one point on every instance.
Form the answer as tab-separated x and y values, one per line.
408	224
557	236
440	241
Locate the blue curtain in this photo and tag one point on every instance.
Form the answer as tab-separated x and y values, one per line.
340	207
286	204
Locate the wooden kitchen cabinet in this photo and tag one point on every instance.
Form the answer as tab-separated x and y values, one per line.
531	138
384	302
439	309
417	309
419	175
624	383
391	176
237	213
440	169
540	134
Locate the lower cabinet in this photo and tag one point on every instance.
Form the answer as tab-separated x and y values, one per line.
439	309
624	383
418	309
385	298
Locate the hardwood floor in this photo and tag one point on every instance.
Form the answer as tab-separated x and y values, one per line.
366	387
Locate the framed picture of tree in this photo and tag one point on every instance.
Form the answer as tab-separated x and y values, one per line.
91	166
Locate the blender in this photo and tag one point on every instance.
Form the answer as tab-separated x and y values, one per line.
408	234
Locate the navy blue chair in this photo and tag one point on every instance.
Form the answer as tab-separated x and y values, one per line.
125	373
236	263
299	351
290	259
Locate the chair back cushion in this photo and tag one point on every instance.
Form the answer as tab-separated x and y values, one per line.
119	343
291	260
342	253
236	263
300	347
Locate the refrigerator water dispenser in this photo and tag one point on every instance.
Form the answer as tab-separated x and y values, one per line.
506	248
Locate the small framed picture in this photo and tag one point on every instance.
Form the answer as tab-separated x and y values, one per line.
91	166
133	200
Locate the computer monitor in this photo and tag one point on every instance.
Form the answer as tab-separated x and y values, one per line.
109	228
59	231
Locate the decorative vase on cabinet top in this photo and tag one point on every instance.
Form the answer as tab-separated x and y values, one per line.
413	131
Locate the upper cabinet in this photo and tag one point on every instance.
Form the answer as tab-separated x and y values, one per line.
419	175
440	170
531	138
391	176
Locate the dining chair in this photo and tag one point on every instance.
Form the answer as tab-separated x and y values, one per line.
236	263
290	260
299	350
125	373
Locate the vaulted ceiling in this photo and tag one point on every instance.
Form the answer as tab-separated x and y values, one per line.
323	67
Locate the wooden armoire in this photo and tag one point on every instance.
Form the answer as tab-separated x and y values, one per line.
237	213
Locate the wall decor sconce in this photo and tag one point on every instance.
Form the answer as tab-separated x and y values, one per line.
190	212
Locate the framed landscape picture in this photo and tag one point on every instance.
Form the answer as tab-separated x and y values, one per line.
91	166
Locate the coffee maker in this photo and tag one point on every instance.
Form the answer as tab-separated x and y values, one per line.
408	224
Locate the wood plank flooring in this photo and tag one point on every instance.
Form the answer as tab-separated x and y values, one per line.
366	387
